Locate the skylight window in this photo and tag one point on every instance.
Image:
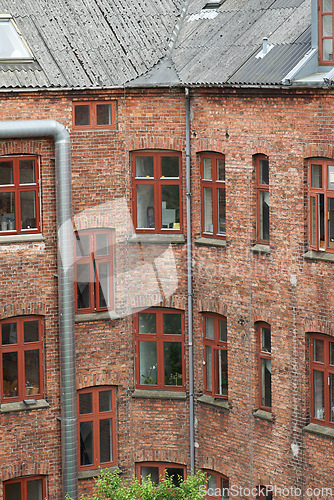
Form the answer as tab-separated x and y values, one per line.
12	45
213	4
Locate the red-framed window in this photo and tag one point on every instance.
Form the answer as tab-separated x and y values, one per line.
321	205
322	379
264	356
19	195
217	486
325	9
264	492
97	427
160	349
22	374
25	488
156	470
94	115
213	195
262	198
94	283
157	200
215	355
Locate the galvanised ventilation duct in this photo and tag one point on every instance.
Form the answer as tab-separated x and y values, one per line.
51	128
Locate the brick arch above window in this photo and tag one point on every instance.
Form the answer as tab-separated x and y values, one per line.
98	379
262	315
24	469
261	148
159	455
212	305
318	151
22	147
209	145
26	308
319	326
212	463
154	142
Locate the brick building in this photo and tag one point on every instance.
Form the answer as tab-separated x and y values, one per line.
166	304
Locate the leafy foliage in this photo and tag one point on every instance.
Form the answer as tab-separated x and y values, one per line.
110	487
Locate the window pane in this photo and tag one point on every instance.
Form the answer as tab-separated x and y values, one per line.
28	209
148	362
330	176
81	115
173	363
152	472
170	207
147	323
82	245
212	483
175	473
327	5
103	114
207	168
105	401
7	211
327	23
264	172
208	364
266	382
83	286
313	220
35	489
106	440
223	330
144	166
321	220
209	328
104	284
9	333
208	214
221	374
31	370
13	491
27	172
264	215
319	350
9	367
331	353
220	169
169	166
102	244
85	403
172	324
6	172
265	339
86	443
319	406
221	212
331	396
11	45
316	176
31	331
327	49
331	222
145	206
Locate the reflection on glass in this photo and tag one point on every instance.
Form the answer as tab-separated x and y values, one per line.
264	172
6	172
31	370
221	212
266	382
264	215
83	286
319	353
102	244
169	166
321	210
221	169
144	166
327	25
148	362
27	171
81	115
28	209
326	6
9	333
331	353
316	176
313	219
82	245
209	328
327	49
152	472
170	207
106	440
208	214
86	443
103	114
147	322
221	375
319	400
223	330
7	211
145	206
104	284
172	324
34	489
105	401
9	372
208	365
265	339
85	403
31	331
207	169
173	363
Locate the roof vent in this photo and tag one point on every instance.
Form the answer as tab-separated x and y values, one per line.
266	47
213	4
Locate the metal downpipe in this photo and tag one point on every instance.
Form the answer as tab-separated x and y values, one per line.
189	285
51	128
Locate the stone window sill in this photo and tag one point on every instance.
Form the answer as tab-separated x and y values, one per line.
210	242
21	238
98	316
153	394
258	248
263	415
87	474
161	239
324	256
35	404
320	430
216	402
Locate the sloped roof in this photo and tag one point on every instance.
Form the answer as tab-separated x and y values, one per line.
111	43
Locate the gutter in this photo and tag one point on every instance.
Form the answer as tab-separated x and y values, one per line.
51	128
189	286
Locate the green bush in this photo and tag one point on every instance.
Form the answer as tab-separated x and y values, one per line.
110	487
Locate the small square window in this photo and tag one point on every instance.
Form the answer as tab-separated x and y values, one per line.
94	115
